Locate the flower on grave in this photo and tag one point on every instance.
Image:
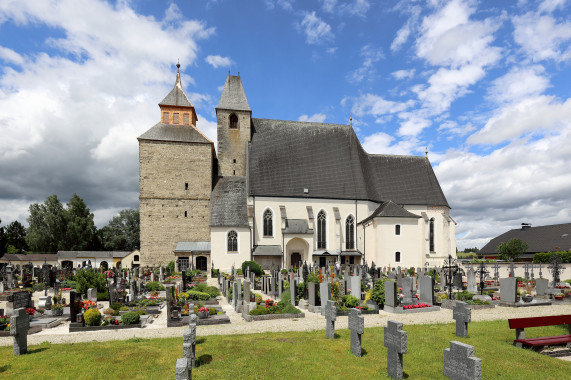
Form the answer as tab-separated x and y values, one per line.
202	309
109	273
65	289
359	308
417	297
88	304
30	311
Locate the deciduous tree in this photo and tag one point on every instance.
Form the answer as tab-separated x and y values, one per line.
511	250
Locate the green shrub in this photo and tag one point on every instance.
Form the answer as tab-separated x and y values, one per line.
116	306
102	296
38	286
212	311
290	309
254	267
463	296
69	284
260	310
350	301
545	257
378	293
88	278
154	286
198	296
92	317
130	318
258	298
170	268
300	290
211	290
124	308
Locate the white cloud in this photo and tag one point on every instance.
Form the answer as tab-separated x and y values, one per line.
209	128
352	8
519	83
316	30
383	143
404	74
551	5
541	37
539	114
367	70
370	104
412	13
453	128
284	4
217	61
317	118
10	56
413	123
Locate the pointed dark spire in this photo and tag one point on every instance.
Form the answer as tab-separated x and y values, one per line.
176	97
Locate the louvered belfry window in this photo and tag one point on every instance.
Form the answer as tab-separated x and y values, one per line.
233	121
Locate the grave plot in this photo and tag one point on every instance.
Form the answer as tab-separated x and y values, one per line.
394	304
510	298
200	300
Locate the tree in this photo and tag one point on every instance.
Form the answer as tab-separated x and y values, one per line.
47	225
80	231
16	236
511	250
122	232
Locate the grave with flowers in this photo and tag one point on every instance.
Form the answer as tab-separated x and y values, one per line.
394	303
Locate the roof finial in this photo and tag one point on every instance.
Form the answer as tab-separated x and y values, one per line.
178	64
426	151
178	73
351	119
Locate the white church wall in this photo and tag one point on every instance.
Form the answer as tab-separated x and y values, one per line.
219	247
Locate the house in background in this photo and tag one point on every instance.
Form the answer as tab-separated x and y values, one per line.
552	238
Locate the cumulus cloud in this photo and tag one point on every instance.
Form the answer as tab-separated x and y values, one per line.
412	14
317	118
403	74
347	7
315	29
217	61
70	117
519	83
383	143
541	37
376	106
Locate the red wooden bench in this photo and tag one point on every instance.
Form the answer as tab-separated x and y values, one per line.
521	323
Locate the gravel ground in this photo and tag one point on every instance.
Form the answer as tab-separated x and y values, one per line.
311	322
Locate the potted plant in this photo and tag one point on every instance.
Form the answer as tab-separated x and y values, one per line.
558	297
57	309
202	312
526	297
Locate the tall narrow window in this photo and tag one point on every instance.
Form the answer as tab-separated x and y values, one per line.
233	121
186	185
185	120
232	241
397	229
350	232
431	234
165	117
186	214
321	230
268	225
397	257
175	117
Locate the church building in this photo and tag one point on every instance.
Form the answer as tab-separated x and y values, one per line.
281	193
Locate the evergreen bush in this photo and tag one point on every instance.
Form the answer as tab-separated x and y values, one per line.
254	267
154	286
130	318
92	317
197	296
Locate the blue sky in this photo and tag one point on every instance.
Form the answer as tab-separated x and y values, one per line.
484	85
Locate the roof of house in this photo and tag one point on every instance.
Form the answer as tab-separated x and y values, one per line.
296	226
29	257
93	254
287	158
176	133
228	203
233	95
555	237
192	246
390	210
176	97
267	250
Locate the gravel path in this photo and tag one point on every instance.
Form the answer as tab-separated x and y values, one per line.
312	321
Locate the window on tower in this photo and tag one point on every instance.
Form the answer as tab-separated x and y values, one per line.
350	232
175	117
233	121
185	119
165	117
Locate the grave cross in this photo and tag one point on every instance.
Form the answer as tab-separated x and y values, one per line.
357	327
526	271
512	269
460	363
330	318
450	268
19	326
540	272
395	342
555	268
532	275
189	342
482	272
462	314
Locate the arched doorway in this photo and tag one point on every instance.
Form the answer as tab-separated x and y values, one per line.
67	264
201	263
297	250
104	265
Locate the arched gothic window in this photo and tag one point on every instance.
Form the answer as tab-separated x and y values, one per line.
233	121
321	230
431	234
232	241
268	225
350	232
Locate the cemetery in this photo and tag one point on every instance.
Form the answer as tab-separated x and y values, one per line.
377	320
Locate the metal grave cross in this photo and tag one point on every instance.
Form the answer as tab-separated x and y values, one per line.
496	272
462	314
555	268
357	327
512	269
526	271
482	272
330	318
395	342
450	268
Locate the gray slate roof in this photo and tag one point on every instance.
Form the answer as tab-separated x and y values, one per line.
328	160
192	246
29	257
233	95
267	250
297	226
539	239
176	133
176	97
88	254
390	210
228	203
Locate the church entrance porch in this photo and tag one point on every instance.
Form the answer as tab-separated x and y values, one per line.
295	259
297	250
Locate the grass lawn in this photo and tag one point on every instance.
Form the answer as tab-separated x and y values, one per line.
289	355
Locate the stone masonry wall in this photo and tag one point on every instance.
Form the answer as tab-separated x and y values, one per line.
232	143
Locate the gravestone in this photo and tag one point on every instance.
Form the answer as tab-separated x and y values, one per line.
181	370
399	277
19	326
460	363
92	294
246	291
312	293
541	285
457	281
74	305
392	276
183	275
189	342
508	289
396	344
391	294
330	318
462	314
239	295
355	283
235	295
471	280
426	284
407	290
292	290
45	303
357	327
325	294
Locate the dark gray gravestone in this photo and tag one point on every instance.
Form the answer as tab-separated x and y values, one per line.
395	342
508	289
189	342
183	275
312	293
330	318
462	314
457	281
407	289
19	326
391	293
74	305
460	363
426	284
357	327
235	291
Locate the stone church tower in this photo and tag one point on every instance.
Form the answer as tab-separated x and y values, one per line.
177	164
233	116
